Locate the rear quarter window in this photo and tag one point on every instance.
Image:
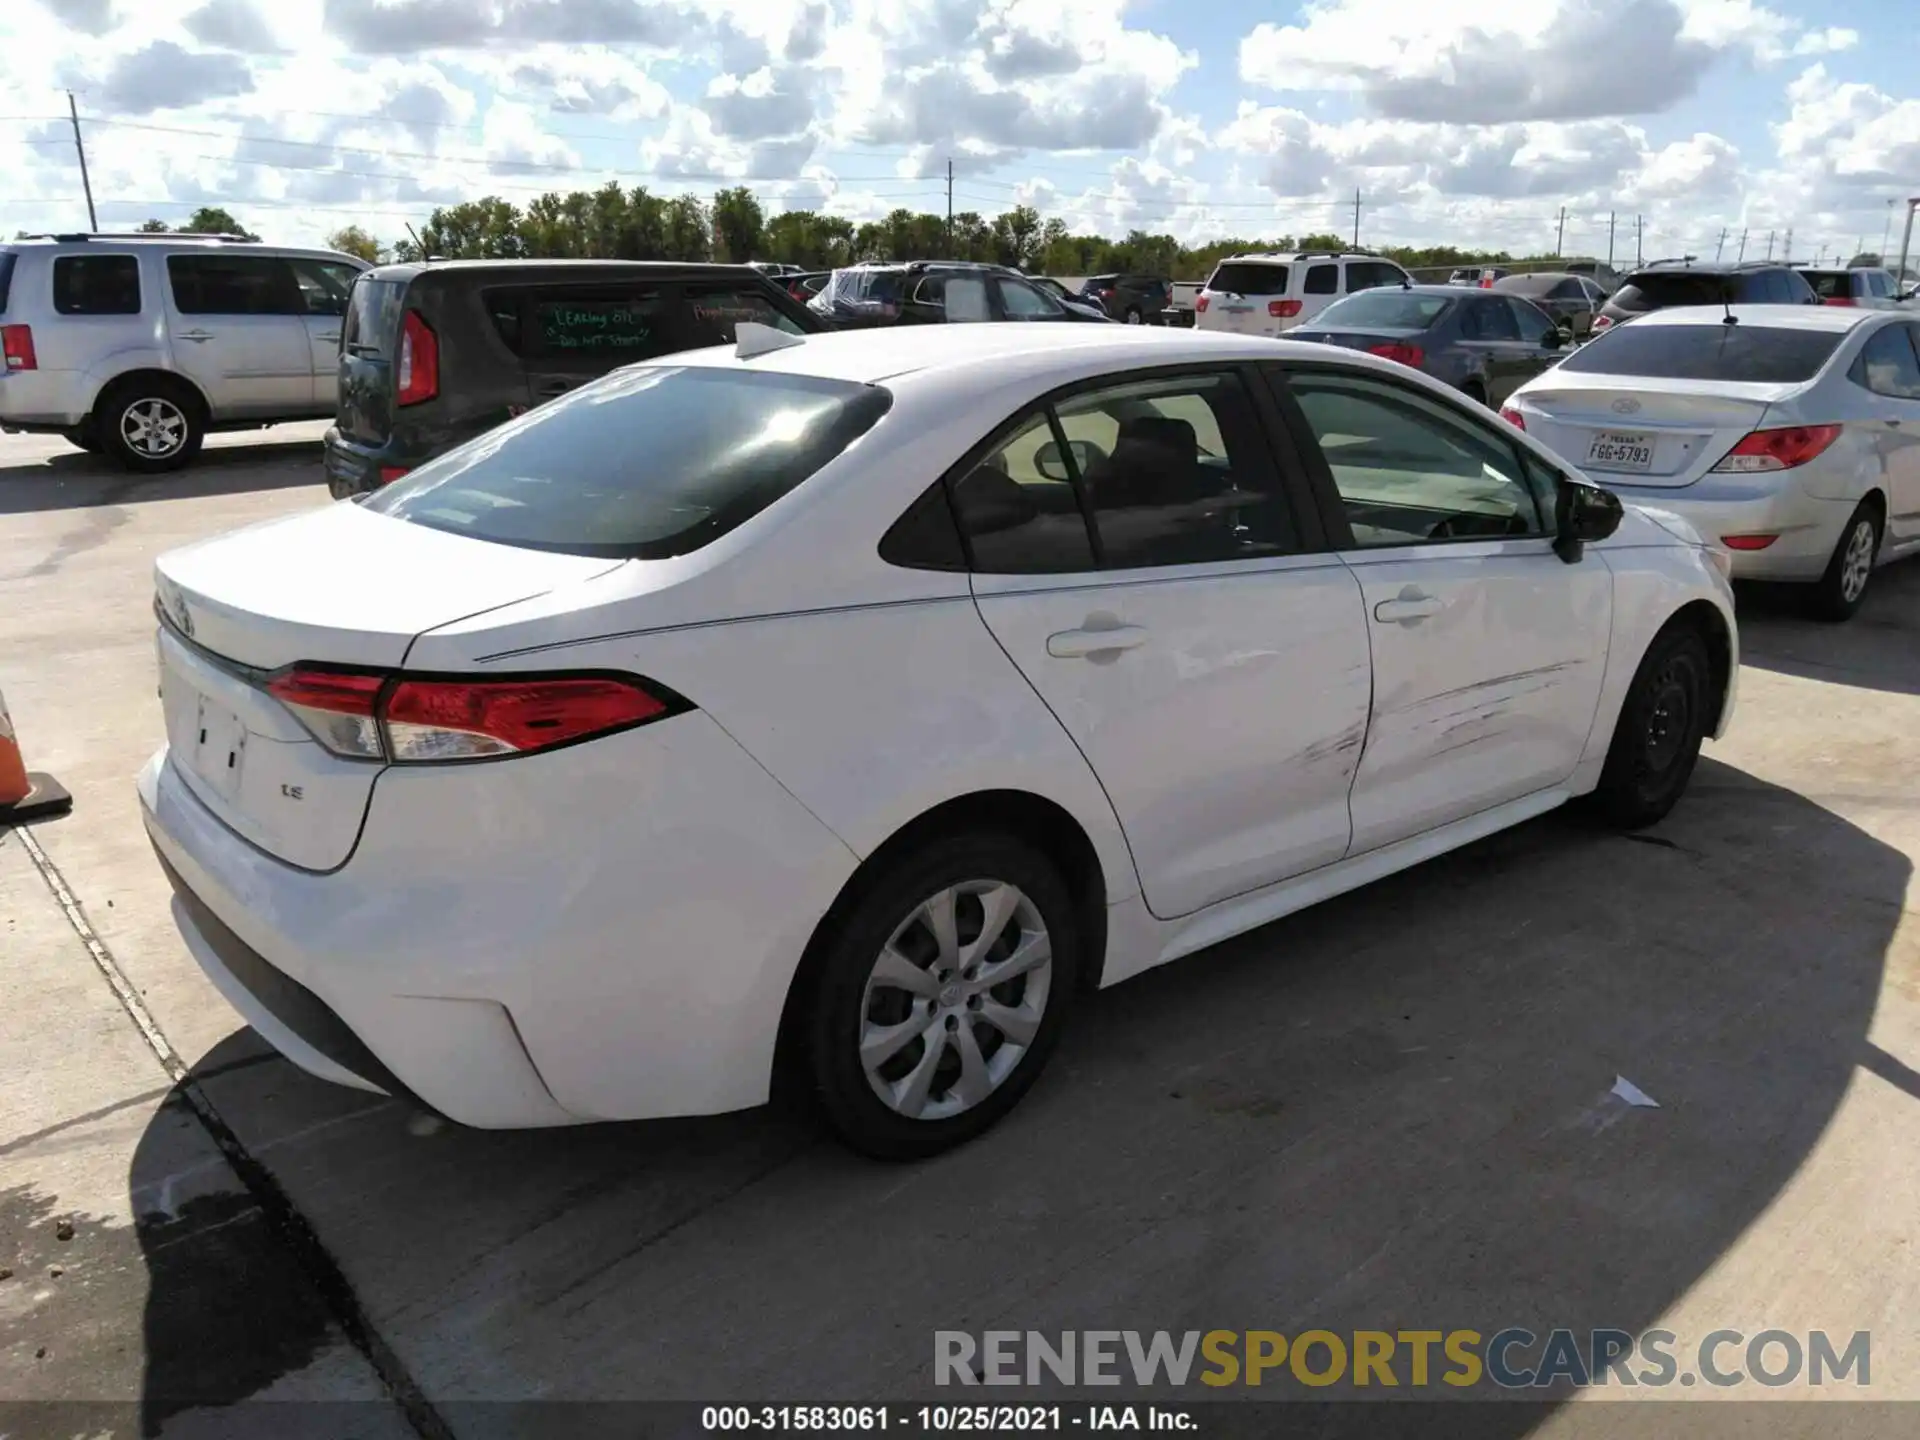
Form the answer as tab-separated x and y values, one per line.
1238	277
713	312
96	285
642	464
1745	353
1828	284
6	277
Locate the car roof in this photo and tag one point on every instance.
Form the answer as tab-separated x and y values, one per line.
1773	317
406	269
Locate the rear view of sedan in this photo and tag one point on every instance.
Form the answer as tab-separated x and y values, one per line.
1483	343
904	685
1790	435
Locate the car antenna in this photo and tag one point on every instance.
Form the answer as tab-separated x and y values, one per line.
1726	304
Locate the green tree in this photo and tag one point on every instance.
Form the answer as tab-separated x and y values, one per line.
154	227
689	231
212	220
1016	236
352	240
739	226
488	229
1866	260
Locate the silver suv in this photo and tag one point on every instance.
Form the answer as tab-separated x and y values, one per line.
136	346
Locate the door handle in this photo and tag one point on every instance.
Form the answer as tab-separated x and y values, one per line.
1094	641
199	337
1410	607
333	339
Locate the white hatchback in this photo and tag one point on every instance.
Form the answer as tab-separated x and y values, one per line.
858	699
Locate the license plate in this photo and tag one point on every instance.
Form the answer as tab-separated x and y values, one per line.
219	748
1238	309
1621	450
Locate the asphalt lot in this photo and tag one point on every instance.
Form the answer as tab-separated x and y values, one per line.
1391	1112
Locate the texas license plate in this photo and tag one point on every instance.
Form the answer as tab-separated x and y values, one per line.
1621	450
220	748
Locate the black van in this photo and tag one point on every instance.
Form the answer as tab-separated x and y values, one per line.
434	354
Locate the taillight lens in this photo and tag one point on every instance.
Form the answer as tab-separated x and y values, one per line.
422	720
1846	301
1283	309
418	373
16	341
1513	417
1781	449
1405	354
391	473
1602	322
1747	542
1200	304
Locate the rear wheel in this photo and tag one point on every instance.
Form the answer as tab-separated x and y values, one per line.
1837	594
941	995
1133	316
149	424
1656	742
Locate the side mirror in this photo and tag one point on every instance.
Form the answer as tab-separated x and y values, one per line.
1051	463
1583	513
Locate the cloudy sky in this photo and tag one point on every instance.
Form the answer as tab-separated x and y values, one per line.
1463	121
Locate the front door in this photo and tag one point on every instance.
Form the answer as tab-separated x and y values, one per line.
324	287
1137	559
236	327
1488	649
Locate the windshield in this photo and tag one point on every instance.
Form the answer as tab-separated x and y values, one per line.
1384	310
720	445
373	313
1743	353
1534	285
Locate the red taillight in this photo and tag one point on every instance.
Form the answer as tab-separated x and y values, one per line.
1747	542
1781	449
391	473
1602	322
1486	282
17	343
1513	417
419	720
1843	300
1406	354
1283	309
418	373
1200	304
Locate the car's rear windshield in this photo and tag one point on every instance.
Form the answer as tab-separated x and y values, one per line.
1744	353
1681	287
1529	284
6	277
1830	284
647	462
372	316
1384	310
1239	277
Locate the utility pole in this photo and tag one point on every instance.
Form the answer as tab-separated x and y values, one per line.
1356	217
1639	240
80	149
1610	240
1741	258
950	206
1886	231
1770	245
1786	252
1906	242
1720	245
1560	236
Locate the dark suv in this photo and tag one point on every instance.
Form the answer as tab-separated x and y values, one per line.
434	354
934	292
1667	283
1132	299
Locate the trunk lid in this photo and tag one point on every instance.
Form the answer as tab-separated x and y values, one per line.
1670	436
369	343
336	586
1359	339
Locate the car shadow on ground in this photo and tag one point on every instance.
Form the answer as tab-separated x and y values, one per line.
1775	633
1390	1112
77	480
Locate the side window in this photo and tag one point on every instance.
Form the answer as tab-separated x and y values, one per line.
1500	319
1411	471
1534	324
1324	279
1887	364
966	298
324	286
1484	320
930	290
233	285
926	536
1878	284
1024	302
595	330
1019	509
96	285
1177	472
711	312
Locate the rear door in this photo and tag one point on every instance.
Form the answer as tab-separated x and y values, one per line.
324	288
238	330
1488	650
1889	369
369	338
1537	348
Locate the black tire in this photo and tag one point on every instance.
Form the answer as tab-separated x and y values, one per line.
841	1005
165	411
81	437
1133	316
1837	595
1475	392
1656	741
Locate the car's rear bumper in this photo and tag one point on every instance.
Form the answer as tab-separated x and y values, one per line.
39	402
1734	506
524	944
356	469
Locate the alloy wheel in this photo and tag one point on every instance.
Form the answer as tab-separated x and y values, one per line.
1856	565
154	428
955	998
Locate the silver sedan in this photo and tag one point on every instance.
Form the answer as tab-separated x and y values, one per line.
1788	434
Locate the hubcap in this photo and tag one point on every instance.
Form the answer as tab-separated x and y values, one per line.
1670	719
154	428
1133	317
955	998
1857	564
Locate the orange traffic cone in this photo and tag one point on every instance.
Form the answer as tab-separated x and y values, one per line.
25	796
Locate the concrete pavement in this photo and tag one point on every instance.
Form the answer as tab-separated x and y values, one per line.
1388	1113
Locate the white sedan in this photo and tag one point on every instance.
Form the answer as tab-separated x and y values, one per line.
1788	434
836	708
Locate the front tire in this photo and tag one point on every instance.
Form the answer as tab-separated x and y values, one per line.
1656	741
1837	594
149	425
941	995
